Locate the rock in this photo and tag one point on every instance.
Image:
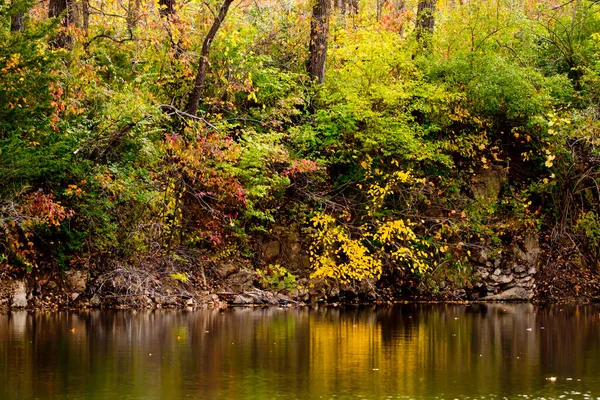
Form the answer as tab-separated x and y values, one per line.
272	250
526	284
282	298
74	296
347	292
305	262
240	281
519	269
482	274
512	294
497	272
19	297
299	293
481	257
225	270
189	302
76	280
253	298
486	183
504	279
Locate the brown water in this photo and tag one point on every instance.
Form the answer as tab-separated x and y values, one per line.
409	351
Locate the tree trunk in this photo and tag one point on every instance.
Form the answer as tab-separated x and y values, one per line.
85	10
425	21
57	8
319	32
16	22
166	7
380	5
353	6
399	7
203	61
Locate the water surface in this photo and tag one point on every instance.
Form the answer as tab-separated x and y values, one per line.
408	351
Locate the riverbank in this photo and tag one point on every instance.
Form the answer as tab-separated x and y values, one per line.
135	289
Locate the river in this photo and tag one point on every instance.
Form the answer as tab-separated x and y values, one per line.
405	351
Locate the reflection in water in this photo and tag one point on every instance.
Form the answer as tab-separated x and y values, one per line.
409	351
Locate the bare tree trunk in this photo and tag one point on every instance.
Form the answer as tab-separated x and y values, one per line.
353	6
85	10
319	32
380	5
203	61
400	13
16	22
425	21
57	8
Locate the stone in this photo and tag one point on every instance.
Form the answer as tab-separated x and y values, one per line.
532	270
526	284
504	279
305	262
482	274
519	269
240	281
513	294
282	298
19	297
272	250
486	183
497	272
253	298
299	294
74	296
76	280
224	270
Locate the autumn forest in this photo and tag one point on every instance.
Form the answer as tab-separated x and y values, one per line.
187	152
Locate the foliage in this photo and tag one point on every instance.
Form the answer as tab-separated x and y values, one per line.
406	161
276	277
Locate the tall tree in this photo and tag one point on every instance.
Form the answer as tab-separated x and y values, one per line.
166	7
425	21
16	22
57	8
194	100
319	32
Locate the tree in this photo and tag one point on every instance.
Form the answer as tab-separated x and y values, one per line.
425	21
57	8
319	32
194	100
166	7
16	22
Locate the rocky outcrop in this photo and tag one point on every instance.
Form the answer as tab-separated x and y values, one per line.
19	296
76	280
511	276
487	183
284	247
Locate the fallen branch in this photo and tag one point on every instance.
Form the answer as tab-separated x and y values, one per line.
171	110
